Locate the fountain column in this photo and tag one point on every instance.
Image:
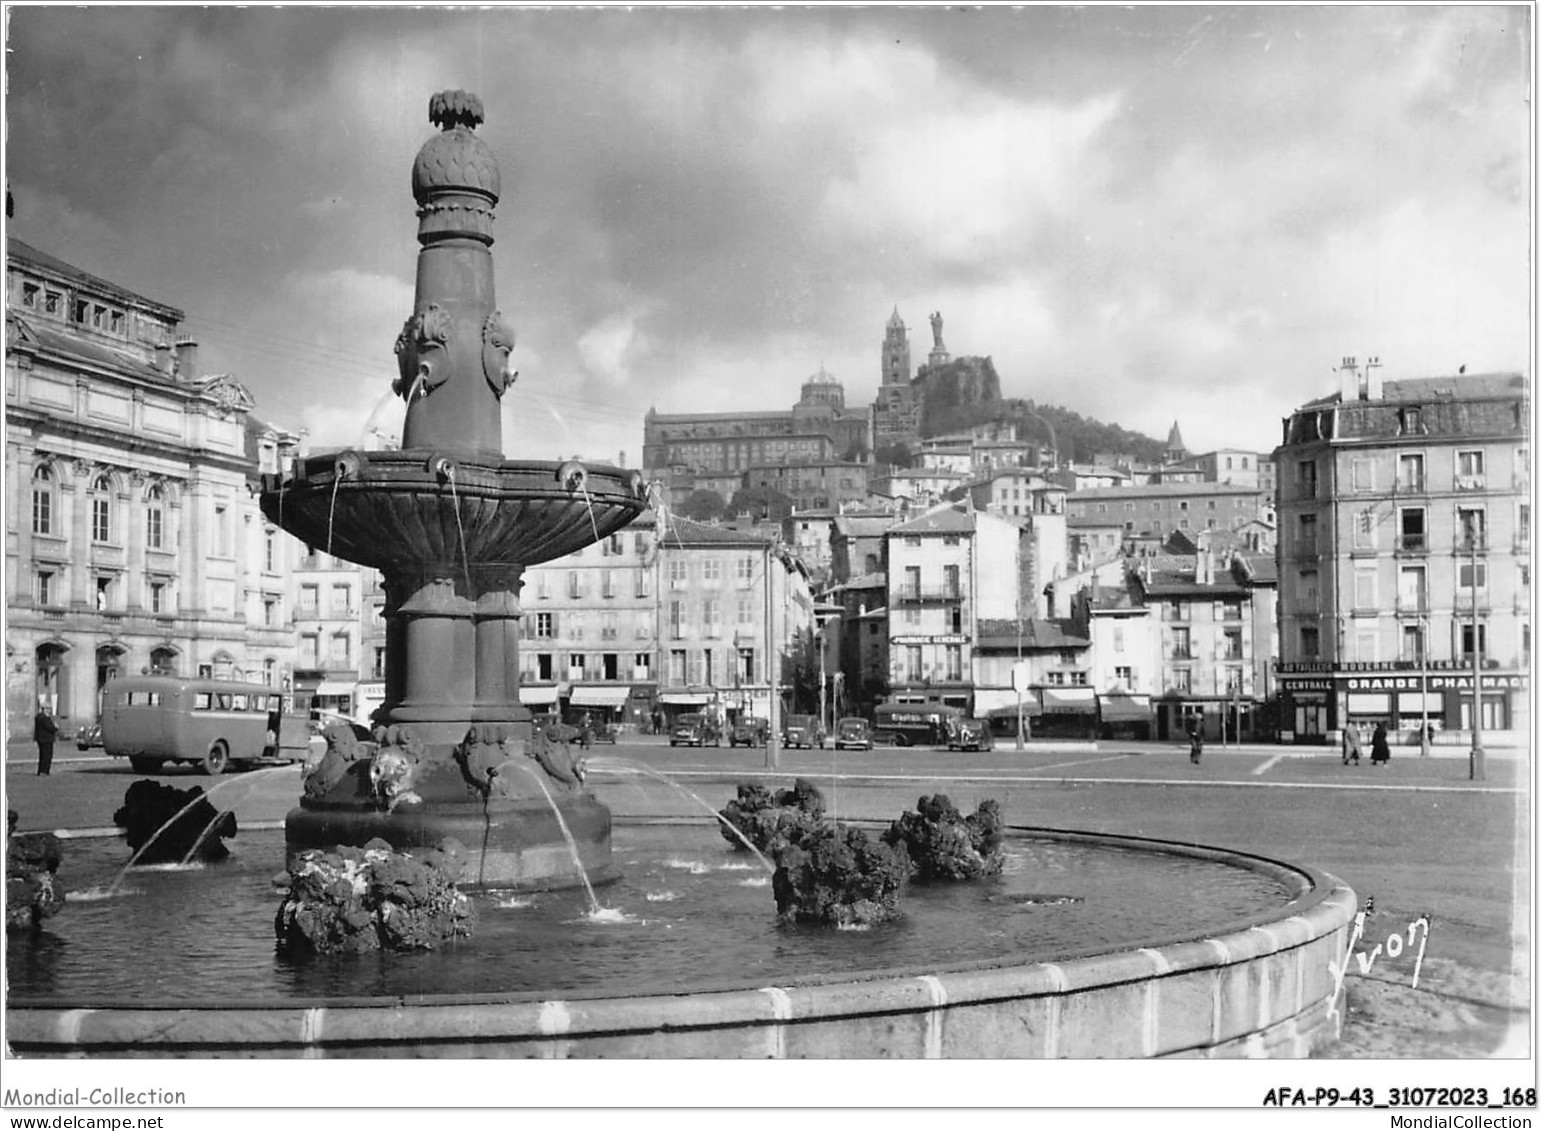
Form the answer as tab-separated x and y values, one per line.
438	640
497	646
451	524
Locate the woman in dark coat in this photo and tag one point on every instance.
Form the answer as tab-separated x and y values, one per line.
1380	750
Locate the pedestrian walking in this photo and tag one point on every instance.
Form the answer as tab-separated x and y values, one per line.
1380	749
44	731
1196	737
1352	744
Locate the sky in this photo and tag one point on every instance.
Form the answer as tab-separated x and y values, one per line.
1144	214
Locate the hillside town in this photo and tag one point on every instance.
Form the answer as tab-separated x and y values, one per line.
942	546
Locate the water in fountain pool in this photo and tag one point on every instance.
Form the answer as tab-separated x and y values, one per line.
689	913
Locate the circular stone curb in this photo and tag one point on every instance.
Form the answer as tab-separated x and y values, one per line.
1266	986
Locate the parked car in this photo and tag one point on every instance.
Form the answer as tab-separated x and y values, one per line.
971	734
749	731
802	730
695	730
853	734
88	736
588	730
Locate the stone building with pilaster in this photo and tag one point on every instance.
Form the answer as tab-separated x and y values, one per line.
133	539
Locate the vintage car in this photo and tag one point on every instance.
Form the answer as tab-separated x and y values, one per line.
694	730
88	736
853	734
749	731
802	730
971	734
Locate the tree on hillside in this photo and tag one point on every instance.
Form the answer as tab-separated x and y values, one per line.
760	503
897	455
703	505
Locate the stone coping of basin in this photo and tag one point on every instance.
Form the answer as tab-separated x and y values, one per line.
1264	985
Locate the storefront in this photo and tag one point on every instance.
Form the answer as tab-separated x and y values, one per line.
541	699
1068	712
1317	700
1125	716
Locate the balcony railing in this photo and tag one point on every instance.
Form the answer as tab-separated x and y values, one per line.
1182	652
911	595
1409	485
1471	482
1413	543
1417	605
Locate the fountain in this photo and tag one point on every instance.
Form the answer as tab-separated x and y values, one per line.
452	525
1071	944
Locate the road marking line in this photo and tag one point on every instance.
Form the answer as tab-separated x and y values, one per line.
1268	765
1079	762
975	778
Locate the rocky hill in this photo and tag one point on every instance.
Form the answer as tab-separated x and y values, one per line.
967	391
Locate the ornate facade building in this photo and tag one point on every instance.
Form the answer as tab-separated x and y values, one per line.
1404	556
687	451
133	538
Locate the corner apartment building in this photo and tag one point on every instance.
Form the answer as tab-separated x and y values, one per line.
1404	555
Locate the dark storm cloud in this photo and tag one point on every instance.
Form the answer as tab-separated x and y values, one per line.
701	206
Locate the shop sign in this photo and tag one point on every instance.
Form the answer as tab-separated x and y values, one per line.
1489	682
1327	667
1305	685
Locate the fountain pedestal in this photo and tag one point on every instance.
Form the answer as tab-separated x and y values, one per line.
452	525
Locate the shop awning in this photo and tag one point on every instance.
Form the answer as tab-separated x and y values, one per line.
988	700
1070	701
685	698
1125	708
537	696
599	696
335	687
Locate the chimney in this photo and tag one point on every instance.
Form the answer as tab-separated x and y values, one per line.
187	358
1349	386
163	356
1371	385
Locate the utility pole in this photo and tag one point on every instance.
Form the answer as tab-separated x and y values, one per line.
1423	683
1478	755
772	669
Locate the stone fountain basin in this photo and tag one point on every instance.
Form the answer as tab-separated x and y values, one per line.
1255	985
401	508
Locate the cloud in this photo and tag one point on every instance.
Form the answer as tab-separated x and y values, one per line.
1139	213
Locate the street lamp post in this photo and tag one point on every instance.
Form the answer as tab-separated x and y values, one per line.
1478	755
1423	685
772	666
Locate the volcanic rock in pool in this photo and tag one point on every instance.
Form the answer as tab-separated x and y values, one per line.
32	888
770	822
839	876
350	900
945	845
147	805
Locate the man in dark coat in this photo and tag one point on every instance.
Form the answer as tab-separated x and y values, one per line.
44	731
1380	749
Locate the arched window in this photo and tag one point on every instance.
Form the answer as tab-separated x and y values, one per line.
101	509
163	661
155	518
43	508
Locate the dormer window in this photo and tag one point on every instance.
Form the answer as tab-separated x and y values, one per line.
1412	421
29	293
51	302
